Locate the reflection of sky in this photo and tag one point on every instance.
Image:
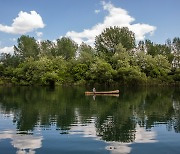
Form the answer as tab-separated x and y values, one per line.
30	143
6	121
141	136
89	130
22	142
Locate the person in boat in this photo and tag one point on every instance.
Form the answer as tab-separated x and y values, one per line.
94	90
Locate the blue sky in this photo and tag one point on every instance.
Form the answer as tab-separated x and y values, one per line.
82	20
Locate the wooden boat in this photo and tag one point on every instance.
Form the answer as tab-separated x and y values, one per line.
116	95
102	92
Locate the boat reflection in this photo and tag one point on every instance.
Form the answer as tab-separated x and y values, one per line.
94	95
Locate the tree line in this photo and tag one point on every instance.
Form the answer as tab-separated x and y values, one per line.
115	59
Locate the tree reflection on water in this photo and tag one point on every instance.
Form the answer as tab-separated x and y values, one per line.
113	118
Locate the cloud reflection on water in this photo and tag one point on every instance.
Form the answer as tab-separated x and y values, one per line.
23	142
141	136
89	130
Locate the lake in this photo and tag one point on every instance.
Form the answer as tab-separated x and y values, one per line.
39	120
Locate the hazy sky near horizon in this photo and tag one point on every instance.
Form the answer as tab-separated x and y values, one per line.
82	20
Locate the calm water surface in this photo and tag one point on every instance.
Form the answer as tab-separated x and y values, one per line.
63	120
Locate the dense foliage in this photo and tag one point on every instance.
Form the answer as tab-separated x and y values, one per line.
115	59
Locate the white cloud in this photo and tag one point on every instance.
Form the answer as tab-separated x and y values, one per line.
7	50
96	11
39	34
116	17
24	23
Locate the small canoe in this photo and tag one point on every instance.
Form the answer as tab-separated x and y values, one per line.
102	92
116	95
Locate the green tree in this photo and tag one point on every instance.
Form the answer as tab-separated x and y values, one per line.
141	46
176	44
106	42
163	65
147	64
100	72
79	72
9	60
153	66
176	75
157	49
60	67
150	48
44	71
176	51
1	70
47	48
130	75
27	47
121	58
86	54
66	48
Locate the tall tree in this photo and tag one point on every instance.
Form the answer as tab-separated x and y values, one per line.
66	48
176	44
9	60
47	48
107	41
159	49
176	51
27	47
150	48
86	54
141	46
